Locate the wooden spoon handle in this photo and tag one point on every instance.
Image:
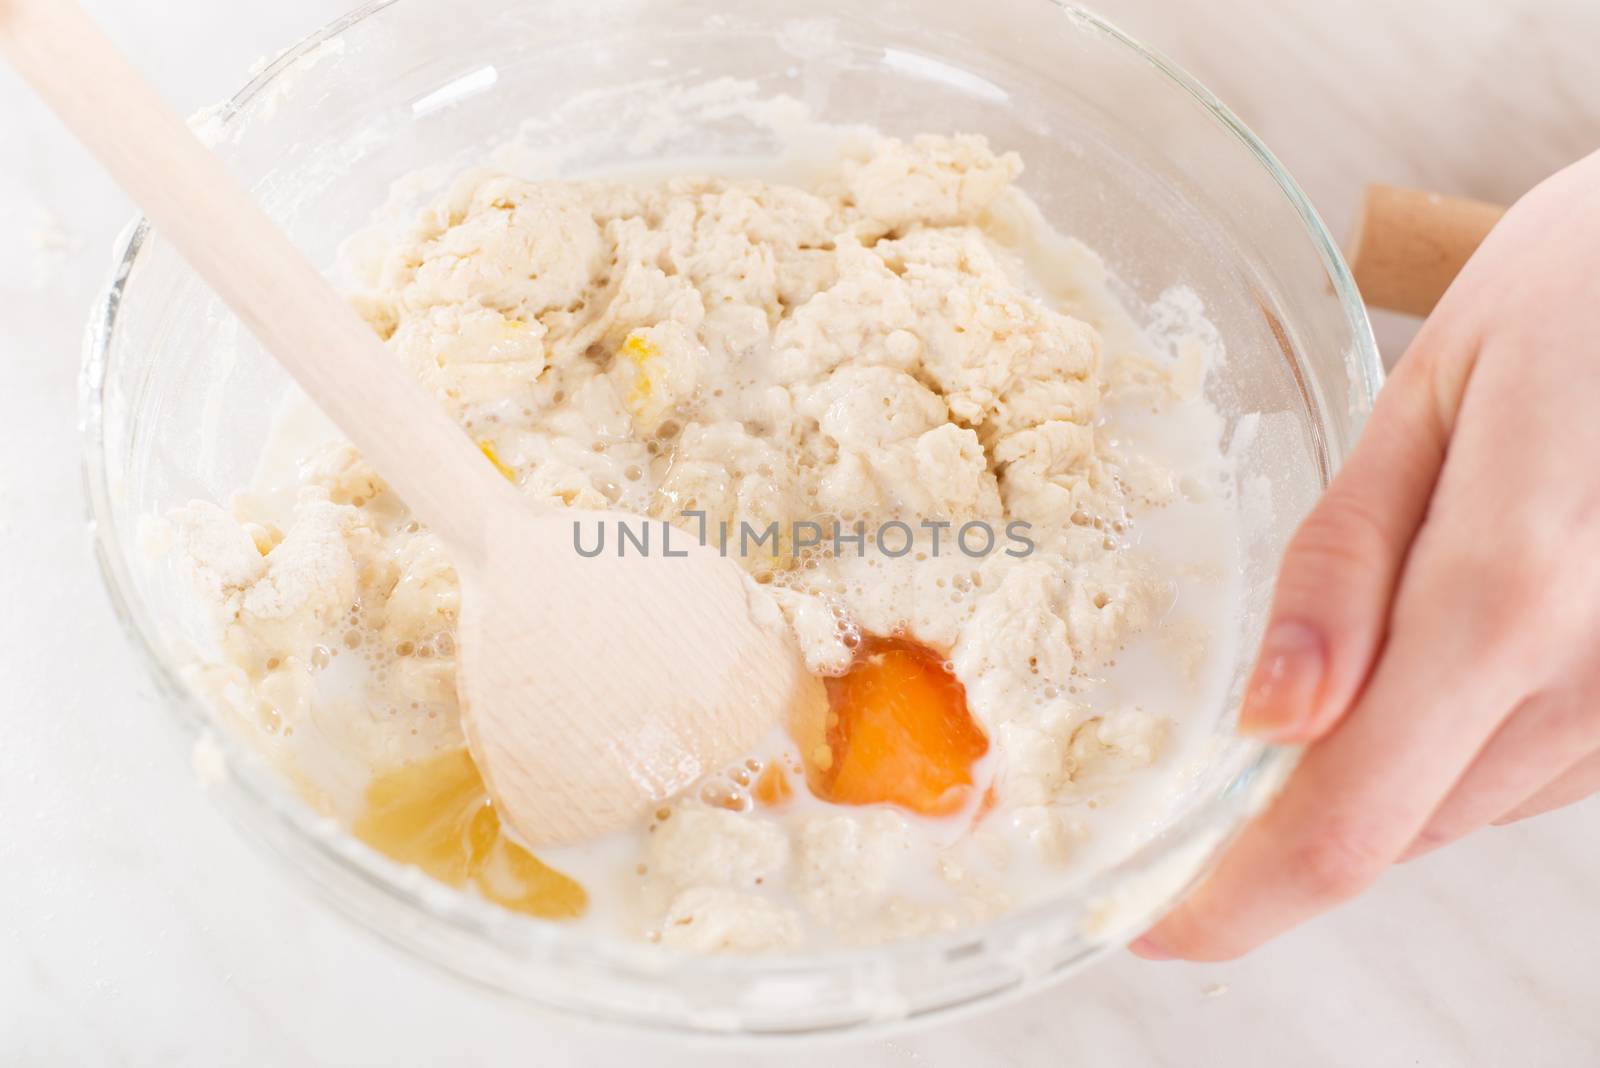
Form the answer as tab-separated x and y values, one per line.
1408	245
230	242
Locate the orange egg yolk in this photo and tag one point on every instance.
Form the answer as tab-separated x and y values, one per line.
772	789
898	732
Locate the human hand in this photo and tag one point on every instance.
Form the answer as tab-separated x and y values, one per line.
1435	634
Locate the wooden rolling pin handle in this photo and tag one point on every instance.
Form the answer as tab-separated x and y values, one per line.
1408	245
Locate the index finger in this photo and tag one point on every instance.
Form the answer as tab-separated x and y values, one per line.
1363	793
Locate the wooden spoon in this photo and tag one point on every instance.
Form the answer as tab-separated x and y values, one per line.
591	689
1408	245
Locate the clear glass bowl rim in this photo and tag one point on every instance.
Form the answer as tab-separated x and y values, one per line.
265	795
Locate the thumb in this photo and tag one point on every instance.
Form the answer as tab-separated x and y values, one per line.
1331	607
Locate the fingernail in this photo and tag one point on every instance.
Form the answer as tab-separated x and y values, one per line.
1144	947
1280	703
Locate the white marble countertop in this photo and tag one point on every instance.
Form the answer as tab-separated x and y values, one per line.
139	929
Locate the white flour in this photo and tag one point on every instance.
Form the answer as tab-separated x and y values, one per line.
901	340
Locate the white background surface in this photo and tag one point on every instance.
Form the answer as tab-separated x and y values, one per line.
137	928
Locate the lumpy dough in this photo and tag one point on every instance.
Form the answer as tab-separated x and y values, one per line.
859	351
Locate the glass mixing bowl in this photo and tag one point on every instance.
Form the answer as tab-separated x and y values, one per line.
1123	151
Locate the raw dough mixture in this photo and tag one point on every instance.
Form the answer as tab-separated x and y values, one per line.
893	343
